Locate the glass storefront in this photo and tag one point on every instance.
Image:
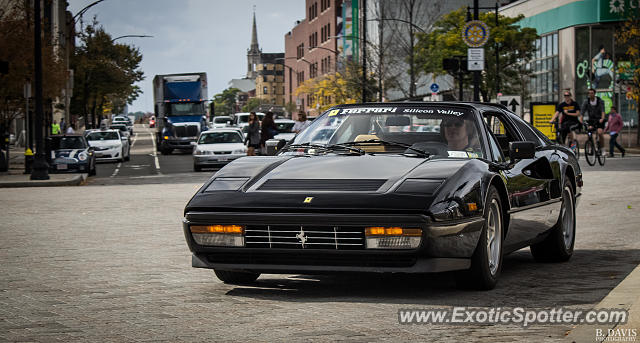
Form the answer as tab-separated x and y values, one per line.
544	66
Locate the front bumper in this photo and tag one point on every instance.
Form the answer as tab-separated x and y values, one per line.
109	154
214	160
69	167
443	248
182	143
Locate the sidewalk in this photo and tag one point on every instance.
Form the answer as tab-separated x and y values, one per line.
625	296
15	177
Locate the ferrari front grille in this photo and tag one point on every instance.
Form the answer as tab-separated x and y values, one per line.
347	185
304	237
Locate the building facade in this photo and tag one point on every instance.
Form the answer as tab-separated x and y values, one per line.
311	49
577	49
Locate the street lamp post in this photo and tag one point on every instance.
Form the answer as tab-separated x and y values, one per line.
126	36
40	170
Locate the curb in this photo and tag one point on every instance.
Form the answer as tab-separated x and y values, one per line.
624	296
74	181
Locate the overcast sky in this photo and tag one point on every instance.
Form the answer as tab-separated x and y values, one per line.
194	35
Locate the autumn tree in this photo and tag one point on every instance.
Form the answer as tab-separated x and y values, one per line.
628	34
16	47
342	87
515	46
105	72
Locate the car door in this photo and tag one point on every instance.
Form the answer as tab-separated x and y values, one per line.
528	184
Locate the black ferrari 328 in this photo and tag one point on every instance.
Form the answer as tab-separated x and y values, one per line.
391	187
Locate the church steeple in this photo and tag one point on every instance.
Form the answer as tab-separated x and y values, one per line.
254	34
253	53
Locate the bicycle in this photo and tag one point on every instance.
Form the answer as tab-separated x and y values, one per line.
573	144
590	151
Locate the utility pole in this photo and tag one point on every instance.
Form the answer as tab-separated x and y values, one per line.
497	57
476	73
364	51
40	169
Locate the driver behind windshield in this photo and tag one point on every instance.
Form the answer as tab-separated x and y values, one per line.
459	134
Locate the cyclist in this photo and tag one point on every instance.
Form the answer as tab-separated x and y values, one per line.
568	114
593	112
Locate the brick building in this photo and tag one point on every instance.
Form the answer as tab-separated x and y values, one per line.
310	49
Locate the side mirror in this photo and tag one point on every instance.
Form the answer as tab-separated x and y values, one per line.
522	150
274	145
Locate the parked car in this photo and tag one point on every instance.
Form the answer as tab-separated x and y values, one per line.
109	144
284	127
217	147
124	130
71	153
374	198
222	121
123	120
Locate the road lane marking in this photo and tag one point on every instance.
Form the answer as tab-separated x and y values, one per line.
155	153
135	138
115	172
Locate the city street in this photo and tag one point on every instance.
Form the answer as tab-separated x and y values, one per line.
108	262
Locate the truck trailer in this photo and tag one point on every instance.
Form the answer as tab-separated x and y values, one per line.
179	106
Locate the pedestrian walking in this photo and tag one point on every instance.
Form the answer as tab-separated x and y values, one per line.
614	125
55	128
104	124
253	134
63	125
268	130
71	130
301	124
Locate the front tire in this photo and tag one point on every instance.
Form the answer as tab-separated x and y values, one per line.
558	246
590	152
236	278
486	262
197	168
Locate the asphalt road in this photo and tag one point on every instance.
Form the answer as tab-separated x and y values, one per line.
108	262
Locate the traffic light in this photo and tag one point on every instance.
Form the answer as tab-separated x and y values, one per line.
450	64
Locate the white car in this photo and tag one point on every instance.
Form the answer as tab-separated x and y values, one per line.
241	120
221	121
109	144
123	120
217	147
284	127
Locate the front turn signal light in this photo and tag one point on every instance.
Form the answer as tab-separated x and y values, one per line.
237	229
379	237
218	235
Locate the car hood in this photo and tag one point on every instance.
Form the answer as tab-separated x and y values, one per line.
105	143
67	153
336	182
220	147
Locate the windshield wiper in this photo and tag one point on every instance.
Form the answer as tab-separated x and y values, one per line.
383	142
325	147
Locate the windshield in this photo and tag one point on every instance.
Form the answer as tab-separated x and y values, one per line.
220	137
119	127
221	120
102	136
185	109
284	127
244	118
67	143
439	131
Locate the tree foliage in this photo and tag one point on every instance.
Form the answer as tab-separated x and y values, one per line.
105	72
252	104
628	35
16	47
515	45
225	102
342	87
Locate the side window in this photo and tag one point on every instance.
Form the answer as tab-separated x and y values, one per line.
495	149
526	130
502	131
